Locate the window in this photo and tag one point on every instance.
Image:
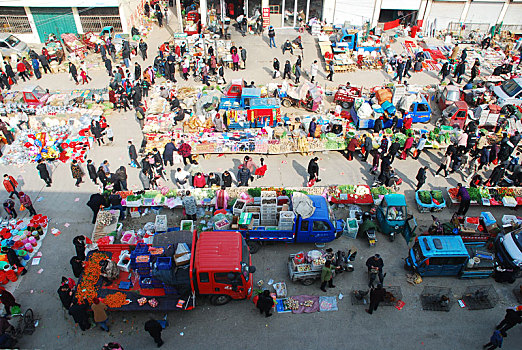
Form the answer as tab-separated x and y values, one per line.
304	226
203	277
321	226
3	44
461	115
457	260
222	277
421	107
14	20
438	261
95	19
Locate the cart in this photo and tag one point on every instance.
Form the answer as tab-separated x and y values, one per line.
90	40
306	96
25	323
346	95
306	273
73	44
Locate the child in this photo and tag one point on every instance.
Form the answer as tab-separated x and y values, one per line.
513	162
109	133
83	75
260	172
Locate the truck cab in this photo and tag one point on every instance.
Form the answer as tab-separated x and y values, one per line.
222	267
457	115
346	39
509	249
35	95
449	95
509	92
420	112
449	256
317	226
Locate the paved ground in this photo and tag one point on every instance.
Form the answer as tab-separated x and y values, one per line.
238	325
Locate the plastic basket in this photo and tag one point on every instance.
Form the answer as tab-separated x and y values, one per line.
141	248
146	282
164	263
422	207
351	228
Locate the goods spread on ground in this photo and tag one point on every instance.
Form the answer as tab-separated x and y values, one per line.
490	196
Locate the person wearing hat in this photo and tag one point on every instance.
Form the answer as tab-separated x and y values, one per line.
375	265
271	36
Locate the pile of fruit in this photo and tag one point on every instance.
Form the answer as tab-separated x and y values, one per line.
290	304
104	218
142	301
86	289
153	302
115	300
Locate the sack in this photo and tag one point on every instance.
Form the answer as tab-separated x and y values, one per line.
22	207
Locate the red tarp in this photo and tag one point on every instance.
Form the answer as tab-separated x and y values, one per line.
392	24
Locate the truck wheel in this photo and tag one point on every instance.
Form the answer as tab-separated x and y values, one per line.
308	282
253	247
286	103
221	299
346	104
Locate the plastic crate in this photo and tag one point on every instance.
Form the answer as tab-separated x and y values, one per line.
164	263
146	282
471	225
351	228
141	248
422	207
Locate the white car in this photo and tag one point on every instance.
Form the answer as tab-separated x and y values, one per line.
10	44
509	92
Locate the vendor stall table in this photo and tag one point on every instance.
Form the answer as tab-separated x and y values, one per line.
101	230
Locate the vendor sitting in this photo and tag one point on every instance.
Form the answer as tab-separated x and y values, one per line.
287	46
109	271
297	41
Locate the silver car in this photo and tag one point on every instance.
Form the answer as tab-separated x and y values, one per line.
10	44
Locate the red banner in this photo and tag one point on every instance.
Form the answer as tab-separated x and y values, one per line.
392	24
266	17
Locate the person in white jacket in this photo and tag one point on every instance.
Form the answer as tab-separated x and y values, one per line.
313	71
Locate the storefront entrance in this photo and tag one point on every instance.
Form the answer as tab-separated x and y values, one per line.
291	13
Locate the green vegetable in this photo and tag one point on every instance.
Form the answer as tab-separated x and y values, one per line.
425	197
254	192
437	195
474	194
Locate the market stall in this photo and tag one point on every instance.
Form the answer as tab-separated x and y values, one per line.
490	196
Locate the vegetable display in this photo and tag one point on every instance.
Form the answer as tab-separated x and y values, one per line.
115	300
86	289
425	197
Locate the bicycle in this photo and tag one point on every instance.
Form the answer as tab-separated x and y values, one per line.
26	324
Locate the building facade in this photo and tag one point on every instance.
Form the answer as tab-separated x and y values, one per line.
33	20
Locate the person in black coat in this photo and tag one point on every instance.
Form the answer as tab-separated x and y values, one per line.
511	319
276	66
77	266
45	64
79	314
368	146
376	296
92	171
288	70
377	127
13	258
44	172
444	71
265	303
407	67
460	70
95	201
8	300
97	132
243	175
313	169
154	328
74	72
102	176
137	71
227	179
497	175
133	155
79	245
168	153
421	177
394	148
65	294
213	179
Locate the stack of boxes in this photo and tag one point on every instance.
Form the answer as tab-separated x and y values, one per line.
268	208
286	220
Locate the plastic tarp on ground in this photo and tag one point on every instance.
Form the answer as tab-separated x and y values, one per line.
303	205
407	100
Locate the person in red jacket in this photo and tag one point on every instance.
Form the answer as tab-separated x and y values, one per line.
185	151
407	145
351	147
199	181
22	70
10	185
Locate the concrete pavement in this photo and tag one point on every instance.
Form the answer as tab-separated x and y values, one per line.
238	325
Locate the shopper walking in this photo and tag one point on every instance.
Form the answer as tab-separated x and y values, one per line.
460	70
421	177
475	70
445	71
235	61
495	341
185	150
77	172
74	72
313	170
394	148
243	176
265	303
287	70
79	313
243	53
420	147
143	49
313	71
327	276
91	169
9	207
512	318
25	200
444	164
100	315
464	198
368	147
10	185
276	66
154	328
331	69
22	70
271	36
43	171
376	296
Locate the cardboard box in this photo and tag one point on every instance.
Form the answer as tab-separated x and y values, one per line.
182	259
